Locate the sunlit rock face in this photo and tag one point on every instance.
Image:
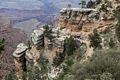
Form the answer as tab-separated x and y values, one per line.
37	38
87	19
76	23
72	18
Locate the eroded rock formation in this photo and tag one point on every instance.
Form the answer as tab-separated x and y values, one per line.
20	61
76	22
74	18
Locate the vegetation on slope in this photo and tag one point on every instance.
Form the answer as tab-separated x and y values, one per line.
103	65
70	46
117	14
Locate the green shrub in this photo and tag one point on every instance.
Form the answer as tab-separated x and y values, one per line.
40	71
111	43
102	65
106	76
70	46
90	4
117	15
48	32
95	40
58	59
11	76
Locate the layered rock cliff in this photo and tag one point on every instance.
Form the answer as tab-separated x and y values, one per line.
87	19
78	23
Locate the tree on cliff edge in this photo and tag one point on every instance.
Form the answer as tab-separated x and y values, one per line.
90	4
47	32
82	3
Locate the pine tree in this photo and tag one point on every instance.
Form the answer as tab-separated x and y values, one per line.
95	40
2	45
111	43
117	15
47	32
70	45
90	4
82	3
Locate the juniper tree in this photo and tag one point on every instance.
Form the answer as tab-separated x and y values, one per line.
117	15
47	32
2	45
111	43
90	4
70	46
95	40
82	3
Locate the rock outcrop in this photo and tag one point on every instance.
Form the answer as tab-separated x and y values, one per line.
38	45
87	19
20	61
74	18
75	22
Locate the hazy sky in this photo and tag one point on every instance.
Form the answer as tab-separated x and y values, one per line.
33	4
21	4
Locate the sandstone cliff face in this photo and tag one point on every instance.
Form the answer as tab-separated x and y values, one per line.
81	22
73	18
53	48
77	19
